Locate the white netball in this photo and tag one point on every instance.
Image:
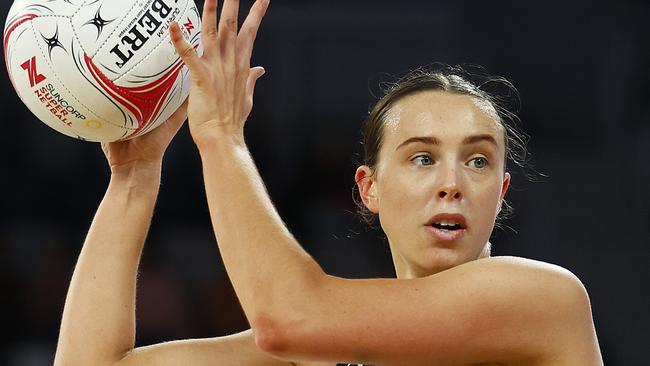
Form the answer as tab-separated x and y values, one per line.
99	70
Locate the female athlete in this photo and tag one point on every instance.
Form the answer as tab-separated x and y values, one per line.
434	176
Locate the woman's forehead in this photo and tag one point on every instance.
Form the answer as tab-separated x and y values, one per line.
443	115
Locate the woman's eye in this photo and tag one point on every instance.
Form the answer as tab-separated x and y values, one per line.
478	163
423	160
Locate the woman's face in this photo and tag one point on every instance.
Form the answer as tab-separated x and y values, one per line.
439	181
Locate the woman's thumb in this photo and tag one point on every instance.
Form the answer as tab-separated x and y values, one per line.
253	75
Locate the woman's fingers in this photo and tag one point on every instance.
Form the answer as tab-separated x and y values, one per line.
229	14
185	50
176	121
248	32
209	20
178	118
209	26
228	29
163	134
254	75
224	74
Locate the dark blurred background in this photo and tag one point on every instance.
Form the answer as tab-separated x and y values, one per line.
583	71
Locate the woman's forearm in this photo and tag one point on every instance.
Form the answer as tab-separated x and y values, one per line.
267	266
98	325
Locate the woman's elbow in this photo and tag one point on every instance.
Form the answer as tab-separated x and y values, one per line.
270	335
288	329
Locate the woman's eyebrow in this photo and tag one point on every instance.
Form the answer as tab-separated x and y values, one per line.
479	138
430	140
421	139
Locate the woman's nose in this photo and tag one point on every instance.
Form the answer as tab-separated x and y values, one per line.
450	192
450	185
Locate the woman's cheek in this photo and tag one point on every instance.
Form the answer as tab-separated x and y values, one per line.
490	199
397	196
399	199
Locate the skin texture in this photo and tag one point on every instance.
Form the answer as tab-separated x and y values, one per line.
485	311
416	181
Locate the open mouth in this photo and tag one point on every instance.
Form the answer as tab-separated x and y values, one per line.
449	223
447	226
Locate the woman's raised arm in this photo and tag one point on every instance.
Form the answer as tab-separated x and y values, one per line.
505	310
509	310
98	326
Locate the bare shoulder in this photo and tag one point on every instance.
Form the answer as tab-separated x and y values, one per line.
525	264
526	273
554	301
534	287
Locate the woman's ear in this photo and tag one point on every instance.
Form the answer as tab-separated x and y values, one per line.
367	188
504	189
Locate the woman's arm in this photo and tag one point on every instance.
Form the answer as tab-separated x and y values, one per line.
98	326
509	310
237	349
505	310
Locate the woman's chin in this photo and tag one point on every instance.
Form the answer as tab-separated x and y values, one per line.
436	260
430	260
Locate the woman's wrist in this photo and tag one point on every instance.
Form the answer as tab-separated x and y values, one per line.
143	176
219	141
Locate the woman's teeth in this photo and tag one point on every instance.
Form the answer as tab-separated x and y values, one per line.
447	225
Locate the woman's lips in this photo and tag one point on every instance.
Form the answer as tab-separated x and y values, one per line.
445	235
454	217
435	224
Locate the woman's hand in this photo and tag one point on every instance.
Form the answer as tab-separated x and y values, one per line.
146	150
221	95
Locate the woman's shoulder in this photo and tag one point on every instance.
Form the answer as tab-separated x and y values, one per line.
531	294
526	267
556	300
526	280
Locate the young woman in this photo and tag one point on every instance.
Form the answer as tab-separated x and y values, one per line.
435	177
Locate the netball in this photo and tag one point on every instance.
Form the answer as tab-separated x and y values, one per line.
102	70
